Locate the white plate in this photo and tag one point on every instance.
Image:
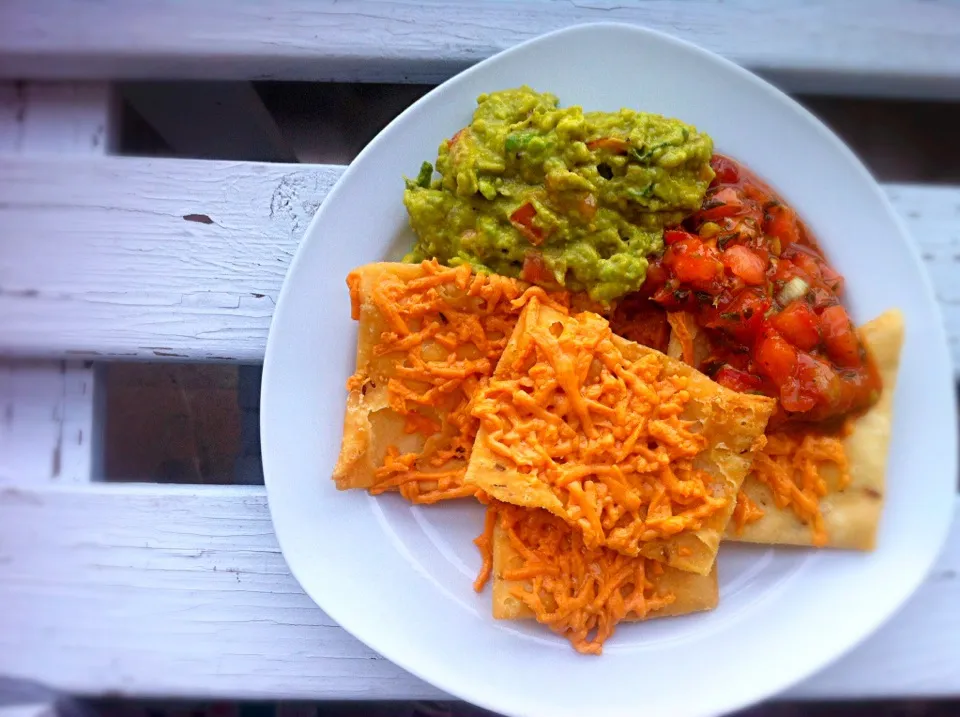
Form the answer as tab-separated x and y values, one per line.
399	577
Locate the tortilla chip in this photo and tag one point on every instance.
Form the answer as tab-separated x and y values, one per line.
713	431
393	438
852	515
670	591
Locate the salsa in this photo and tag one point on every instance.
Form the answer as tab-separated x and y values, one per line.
765	301
558	196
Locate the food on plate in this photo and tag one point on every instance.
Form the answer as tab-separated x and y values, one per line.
628	349
826	488
541	569
637	451
427	338
558	196
753	303
766	301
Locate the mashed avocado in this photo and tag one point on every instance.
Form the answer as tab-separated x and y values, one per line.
558	195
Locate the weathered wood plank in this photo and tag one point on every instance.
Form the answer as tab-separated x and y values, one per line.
183	259
47	408
183	592
896	47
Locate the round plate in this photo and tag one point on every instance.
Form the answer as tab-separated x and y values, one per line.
399	577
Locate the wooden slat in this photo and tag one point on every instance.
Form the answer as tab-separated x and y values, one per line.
150	590
895	47
183	259
48	430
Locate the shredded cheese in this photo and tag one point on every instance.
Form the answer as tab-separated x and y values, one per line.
579	592
745	512
792	465
603	431
446	331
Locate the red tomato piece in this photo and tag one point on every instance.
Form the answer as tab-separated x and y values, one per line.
725	169
842	344
745	264
799	325
781	222
737	380
726	202
535	269
694	263
776	358
522	219
672	236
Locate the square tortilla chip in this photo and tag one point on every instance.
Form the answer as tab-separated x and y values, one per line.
668	591
428	336
851	516
640	452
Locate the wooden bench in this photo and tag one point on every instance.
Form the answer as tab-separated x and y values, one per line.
161	590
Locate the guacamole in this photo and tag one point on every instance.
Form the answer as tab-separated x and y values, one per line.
558	196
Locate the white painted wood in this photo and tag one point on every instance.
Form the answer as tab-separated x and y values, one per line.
100	261
182	591
46	421
55	117
203	120
47	417
905	47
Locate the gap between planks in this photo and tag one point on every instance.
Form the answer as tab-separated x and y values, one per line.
171	259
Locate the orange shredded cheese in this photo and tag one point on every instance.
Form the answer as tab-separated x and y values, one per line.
683	325
446	331
581	593
603	431
745	512
792	466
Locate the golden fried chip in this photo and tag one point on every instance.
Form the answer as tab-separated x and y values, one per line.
541	568
428	337
639	452
854	481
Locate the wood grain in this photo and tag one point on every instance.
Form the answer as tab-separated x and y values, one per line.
182	591
894	47
47	408
183	259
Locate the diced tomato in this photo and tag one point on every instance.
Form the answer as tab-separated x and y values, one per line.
672	236
611	144
745	264
726	202
737	380
816	385
808	262
831	278
799	325
741	317
522	219
796	396
535	269
694	264
697	270
453	140
725	169
842	344
781	222
776	358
